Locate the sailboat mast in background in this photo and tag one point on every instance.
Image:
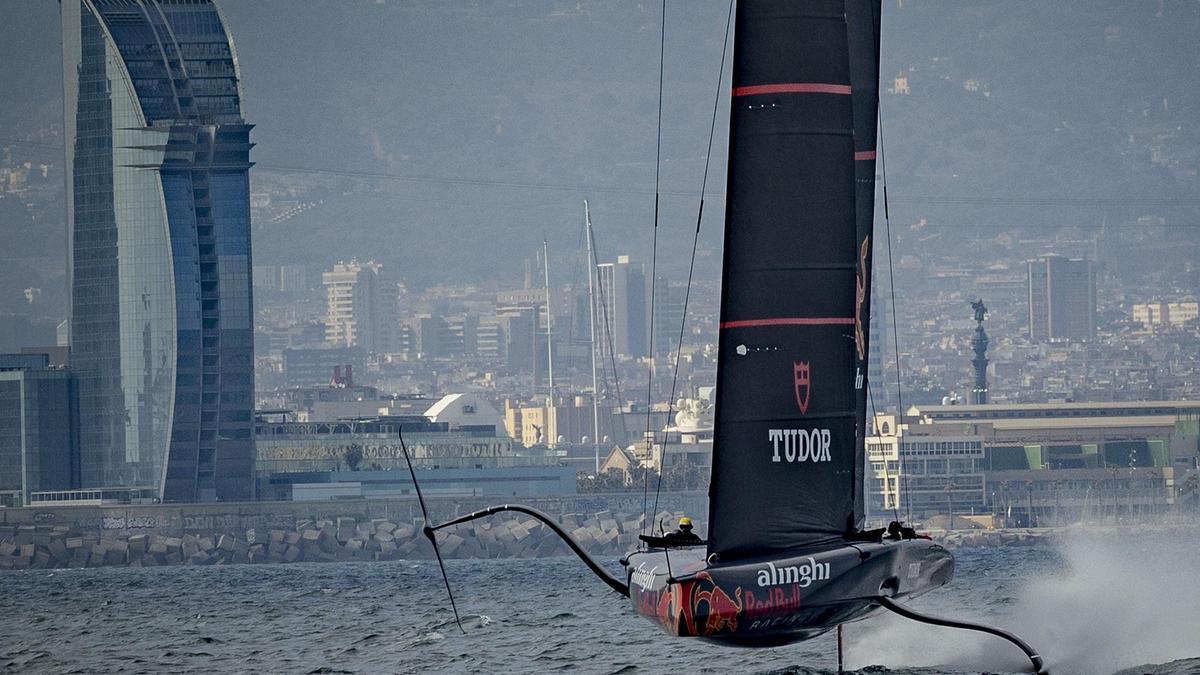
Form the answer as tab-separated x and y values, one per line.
591	263
549	333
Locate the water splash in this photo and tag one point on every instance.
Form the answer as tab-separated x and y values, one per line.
1116	601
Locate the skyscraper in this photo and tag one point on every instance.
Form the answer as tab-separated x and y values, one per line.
668	316
158	216
1062	299
622	308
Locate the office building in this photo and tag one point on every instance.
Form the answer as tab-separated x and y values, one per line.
305	447
460	336
1161	314
1062	299
668	316
566	422
352	305
316	367
517	342
158	211
39	434
927	470
622	308
1043	463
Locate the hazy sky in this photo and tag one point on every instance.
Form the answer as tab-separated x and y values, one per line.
513	111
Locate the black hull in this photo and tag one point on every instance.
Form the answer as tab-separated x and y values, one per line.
769	602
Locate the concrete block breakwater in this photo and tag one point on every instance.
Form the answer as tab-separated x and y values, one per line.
325	540
261	532
604	533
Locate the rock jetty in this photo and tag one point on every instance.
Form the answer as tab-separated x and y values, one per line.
340	538
604	533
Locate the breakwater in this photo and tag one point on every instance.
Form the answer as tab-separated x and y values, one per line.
261	532
284	532
327	540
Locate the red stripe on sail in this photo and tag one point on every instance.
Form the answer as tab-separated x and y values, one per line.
864	155
791	321
793	88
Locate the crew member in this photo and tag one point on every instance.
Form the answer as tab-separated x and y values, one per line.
684	535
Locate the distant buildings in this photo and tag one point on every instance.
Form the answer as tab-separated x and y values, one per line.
316	367
942	469
1062	299
159	219
668	316
1160	314
1034	463
353	313
458	445
566	422
39	433
281	278
623	315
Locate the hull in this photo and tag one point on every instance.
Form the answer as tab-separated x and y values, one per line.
774	601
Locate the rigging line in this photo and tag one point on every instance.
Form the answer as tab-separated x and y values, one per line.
666	549
429	530
886	473
575	284
887	220
687	294
608	338
647	438
875	20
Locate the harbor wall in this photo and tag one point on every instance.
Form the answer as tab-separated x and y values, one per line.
325	531
364	530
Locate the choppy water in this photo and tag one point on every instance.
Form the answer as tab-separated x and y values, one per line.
1091	607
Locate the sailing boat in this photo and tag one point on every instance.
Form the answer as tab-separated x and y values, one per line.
787	558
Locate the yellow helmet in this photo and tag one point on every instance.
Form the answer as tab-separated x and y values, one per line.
685	522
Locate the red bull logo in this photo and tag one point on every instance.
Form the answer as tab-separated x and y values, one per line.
699	606
769	604
723	611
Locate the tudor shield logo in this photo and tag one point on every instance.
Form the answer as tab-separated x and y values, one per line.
802	377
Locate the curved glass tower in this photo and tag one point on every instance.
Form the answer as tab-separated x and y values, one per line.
158	214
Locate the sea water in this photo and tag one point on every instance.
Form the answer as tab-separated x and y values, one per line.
1090	605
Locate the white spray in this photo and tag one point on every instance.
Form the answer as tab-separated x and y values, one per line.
1117	601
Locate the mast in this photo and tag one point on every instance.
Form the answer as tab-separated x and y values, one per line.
862	39
549	335
591	262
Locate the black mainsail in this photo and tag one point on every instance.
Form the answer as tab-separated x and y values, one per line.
786	445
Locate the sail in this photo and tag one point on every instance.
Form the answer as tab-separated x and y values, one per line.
862	29
785	452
